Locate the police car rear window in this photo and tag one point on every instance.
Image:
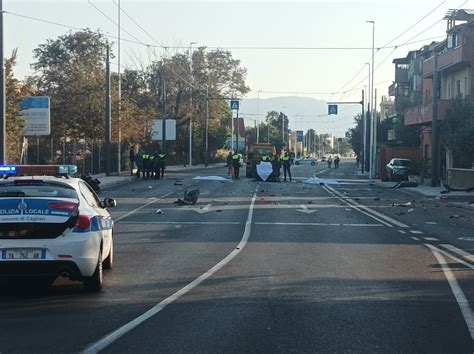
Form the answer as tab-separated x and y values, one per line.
36	188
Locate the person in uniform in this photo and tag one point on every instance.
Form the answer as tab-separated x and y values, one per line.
236	164
146	165
276	167
139	162
151	165
286	162
161	165
229	164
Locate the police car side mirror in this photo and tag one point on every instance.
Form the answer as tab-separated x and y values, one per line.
109	203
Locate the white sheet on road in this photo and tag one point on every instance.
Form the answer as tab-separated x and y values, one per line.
213	178
264	170
320	181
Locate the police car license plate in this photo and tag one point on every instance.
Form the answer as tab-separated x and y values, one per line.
23	254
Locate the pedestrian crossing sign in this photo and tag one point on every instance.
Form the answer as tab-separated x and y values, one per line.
234	104
332	109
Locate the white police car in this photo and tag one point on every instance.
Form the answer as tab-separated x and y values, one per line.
53	225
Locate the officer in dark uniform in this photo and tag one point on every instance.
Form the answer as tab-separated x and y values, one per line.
286	162
151	166
146	165
161	165
236	164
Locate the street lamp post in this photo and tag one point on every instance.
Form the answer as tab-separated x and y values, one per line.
190	153
372	113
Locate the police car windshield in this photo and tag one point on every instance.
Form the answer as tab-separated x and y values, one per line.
37	189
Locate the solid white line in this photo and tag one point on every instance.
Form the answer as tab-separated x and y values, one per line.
459	251
402	232
113	336
315	224
415	238
431	239
454	258
181	222
141	207
416	232
345	200
382	216
456	289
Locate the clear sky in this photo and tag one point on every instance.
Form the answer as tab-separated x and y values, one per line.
289	36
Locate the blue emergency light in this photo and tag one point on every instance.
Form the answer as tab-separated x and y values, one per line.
8	170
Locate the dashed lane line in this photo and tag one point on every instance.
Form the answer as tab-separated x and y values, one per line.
416	232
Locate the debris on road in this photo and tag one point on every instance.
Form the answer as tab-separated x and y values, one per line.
403	205
456	216
190	198
376	198
404	184
213	178
178	184
150	187
431	223
410	210
159	211
320	181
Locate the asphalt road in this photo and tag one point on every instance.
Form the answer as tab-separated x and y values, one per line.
265	267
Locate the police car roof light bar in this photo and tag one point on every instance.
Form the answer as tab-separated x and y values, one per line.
38	170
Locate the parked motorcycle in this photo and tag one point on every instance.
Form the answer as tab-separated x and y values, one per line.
93	182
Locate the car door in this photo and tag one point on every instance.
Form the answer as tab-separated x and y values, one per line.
104	221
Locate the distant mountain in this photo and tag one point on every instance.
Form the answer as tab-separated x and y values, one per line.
303	112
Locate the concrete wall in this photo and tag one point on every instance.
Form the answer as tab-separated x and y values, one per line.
460	178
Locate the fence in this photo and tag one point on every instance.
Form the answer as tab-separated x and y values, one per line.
88	155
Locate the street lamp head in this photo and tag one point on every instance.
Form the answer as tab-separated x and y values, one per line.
370	22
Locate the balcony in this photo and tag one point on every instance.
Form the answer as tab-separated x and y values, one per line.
401	75
421	114
451	60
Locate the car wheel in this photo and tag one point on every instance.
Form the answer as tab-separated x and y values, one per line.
109	261
95	282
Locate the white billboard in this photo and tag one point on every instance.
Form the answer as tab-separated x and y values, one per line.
157	130
35	110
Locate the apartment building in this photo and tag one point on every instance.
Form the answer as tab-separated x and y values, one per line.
413	85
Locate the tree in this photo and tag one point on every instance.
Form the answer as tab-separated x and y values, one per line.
15	91
459	123
354	135
71	70
274	121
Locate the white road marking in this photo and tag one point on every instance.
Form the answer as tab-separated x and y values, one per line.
304	209
203	210
113	336
431	223
416	232
454	258
316	224
415	238
431	239
141	207
459	251
181	222
463	303
402	232
345	200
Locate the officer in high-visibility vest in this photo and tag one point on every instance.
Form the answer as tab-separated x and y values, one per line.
146	165
236	164
151	165
286	162
161	165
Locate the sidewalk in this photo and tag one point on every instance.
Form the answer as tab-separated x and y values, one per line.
124	177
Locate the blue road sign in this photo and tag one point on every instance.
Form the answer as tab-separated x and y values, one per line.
35	102
299	135
234	104
332	108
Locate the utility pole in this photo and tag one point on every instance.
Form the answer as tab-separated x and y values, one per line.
3	118
258	116
363	135
207	126
163	79
191	102
119	147
371	171
434	127
108	118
